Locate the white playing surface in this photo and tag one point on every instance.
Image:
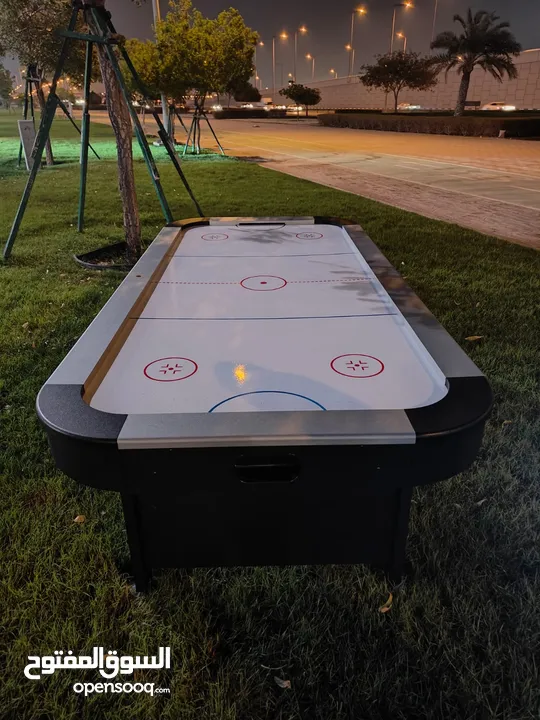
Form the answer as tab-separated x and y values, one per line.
277	318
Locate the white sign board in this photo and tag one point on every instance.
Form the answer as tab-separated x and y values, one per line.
27	132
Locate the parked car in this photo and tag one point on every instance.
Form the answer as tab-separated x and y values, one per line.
295	109
251	105
404	107
499	106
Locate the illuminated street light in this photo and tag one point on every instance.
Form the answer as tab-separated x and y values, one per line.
309	56
405	5
259	44
404	38
302	29
360	11
350	49
283	36
334	73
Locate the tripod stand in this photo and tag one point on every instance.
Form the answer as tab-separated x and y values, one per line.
194	134
32	79
106	35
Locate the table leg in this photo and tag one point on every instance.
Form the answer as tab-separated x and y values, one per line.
141	572
396	563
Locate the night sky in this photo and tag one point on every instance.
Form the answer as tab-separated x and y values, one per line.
328	24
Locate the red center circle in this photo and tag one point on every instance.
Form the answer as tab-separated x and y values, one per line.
309	236
248	282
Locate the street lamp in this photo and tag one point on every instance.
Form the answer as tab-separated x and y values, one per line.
434	21
309	56
334	73
260	44
404	38
360	11
164	107
302	29
405	5
351	64
283	36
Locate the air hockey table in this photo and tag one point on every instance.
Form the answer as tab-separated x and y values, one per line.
264	391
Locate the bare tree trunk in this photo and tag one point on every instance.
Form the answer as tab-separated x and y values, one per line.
396	98
121	125
41	100
463	92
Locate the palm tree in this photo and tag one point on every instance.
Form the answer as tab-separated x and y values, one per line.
484	42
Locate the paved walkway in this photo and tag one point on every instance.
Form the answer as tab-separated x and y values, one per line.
488	184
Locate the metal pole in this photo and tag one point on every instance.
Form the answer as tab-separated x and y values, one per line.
351	64
205	116
182	123
295	53
393	30
25	115
165	110
352	68
274	68
32	113
313	69
434	21
41	139
85	135
404	43
188	139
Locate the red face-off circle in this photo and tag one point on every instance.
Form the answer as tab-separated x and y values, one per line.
263	282
357	366
215	236
309	236
170	369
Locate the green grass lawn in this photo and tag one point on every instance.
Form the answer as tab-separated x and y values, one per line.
462	637
66	146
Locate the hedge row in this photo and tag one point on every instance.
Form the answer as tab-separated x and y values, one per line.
358	111
483	126
228	113
435	113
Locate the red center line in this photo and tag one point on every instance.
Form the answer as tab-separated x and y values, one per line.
187	282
